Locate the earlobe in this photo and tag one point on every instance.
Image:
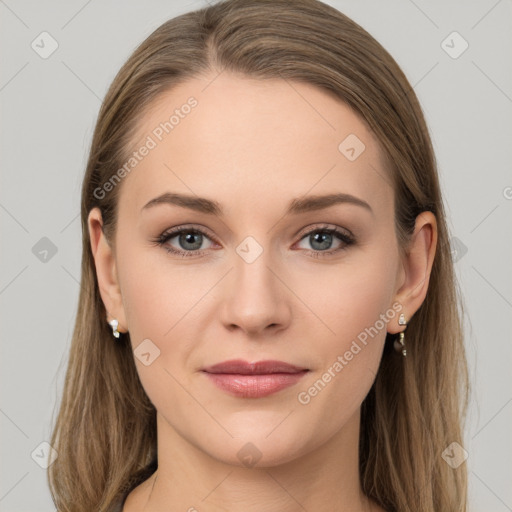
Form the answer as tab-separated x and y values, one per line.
104	260
417	266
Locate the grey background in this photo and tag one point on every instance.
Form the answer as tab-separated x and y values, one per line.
49	107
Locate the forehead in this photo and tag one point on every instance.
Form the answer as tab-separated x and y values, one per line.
227	136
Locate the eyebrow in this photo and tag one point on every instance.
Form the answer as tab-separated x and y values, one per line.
296	206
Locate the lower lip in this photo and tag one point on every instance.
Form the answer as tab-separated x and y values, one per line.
254	386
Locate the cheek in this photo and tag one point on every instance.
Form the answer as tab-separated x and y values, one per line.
350	297
355	303
155	295
159	306
162	303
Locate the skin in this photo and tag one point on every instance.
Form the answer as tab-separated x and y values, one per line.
253	146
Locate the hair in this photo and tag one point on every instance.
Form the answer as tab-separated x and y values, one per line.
105	431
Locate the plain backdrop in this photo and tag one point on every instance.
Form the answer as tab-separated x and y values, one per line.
49	105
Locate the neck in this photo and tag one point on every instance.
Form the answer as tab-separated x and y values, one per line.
322	478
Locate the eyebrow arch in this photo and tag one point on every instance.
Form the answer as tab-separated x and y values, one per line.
296	206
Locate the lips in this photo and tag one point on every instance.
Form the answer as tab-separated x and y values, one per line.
240	367
254	380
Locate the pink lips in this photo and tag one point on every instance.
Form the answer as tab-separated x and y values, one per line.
254	380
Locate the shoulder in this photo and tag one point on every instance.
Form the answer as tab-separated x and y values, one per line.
136	499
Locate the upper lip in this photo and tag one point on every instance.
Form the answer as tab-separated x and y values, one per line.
241	367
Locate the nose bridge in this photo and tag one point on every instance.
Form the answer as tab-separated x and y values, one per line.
255	299
252	270
253	279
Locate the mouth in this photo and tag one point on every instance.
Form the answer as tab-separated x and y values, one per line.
253	380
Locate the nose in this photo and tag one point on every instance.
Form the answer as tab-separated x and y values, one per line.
256	299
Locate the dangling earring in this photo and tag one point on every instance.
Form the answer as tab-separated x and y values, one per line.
399	344
114	323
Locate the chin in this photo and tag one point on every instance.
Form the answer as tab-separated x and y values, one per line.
256	450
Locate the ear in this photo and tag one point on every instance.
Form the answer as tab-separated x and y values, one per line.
416	268
104	259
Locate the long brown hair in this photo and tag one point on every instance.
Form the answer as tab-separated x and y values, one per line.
105	432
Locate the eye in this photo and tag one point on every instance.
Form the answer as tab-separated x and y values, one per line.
189	241
321	240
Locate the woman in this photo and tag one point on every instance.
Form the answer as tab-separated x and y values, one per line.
268	317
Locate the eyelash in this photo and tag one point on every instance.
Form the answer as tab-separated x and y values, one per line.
161	240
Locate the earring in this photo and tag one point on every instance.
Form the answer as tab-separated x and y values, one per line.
114	323
399	344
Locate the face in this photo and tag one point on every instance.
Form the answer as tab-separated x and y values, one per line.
266	273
